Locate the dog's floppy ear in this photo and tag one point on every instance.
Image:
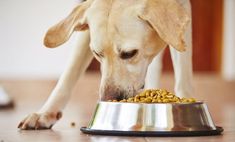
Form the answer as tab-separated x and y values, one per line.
75	21
169	19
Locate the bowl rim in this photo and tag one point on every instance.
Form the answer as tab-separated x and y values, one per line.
173	103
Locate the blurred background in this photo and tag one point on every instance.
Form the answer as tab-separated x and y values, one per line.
23	25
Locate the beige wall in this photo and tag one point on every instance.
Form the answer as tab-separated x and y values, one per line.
23	24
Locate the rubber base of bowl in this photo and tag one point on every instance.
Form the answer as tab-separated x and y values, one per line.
218	131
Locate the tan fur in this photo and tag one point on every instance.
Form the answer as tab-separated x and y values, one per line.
62	31
169	19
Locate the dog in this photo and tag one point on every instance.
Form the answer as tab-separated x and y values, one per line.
125	37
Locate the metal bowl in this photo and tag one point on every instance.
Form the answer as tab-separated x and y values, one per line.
155	117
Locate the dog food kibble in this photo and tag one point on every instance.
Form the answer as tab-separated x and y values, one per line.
156	96
72	124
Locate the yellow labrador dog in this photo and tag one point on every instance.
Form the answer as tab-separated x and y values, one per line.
125	37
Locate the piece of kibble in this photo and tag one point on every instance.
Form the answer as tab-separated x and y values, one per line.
156	96
73	124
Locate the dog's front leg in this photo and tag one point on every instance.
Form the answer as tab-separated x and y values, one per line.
52	110
182	63
154	71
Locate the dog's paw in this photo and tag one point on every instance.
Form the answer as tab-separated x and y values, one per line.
38	121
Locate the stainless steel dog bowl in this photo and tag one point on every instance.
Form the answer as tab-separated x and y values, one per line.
157	119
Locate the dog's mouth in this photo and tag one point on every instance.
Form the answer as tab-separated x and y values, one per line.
114	96
120	95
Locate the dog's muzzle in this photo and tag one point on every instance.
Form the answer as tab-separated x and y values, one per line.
116	93
112	94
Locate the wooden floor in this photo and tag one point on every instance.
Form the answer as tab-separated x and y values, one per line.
29	95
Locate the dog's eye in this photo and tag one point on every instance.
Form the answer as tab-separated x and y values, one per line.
129	54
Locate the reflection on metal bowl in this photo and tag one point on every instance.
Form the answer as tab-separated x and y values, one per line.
157	117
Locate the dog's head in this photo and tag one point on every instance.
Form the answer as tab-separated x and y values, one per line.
124	37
